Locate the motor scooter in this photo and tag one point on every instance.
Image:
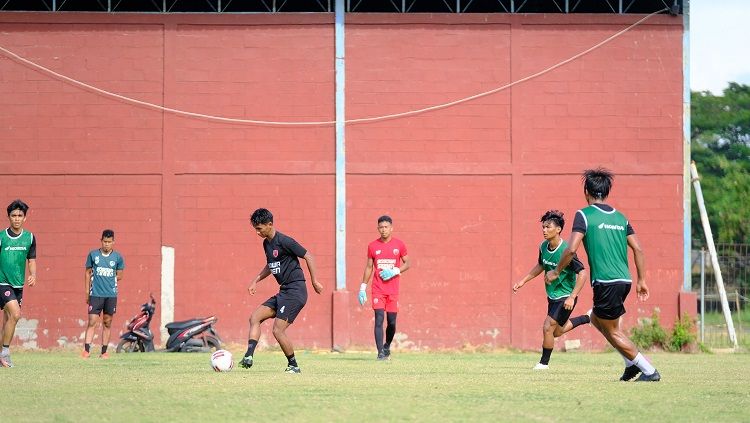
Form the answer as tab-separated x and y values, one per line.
139	338
194	335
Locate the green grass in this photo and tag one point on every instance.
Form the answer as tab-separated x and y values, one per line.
717	318
353	387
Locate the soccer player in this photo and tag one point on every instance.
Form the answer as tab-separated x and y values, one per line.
606	235
385	254
17	247
104	268
282	257
562	294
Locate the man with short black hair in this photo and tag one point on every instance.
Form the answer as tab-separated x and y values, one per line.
104	268
606	235
562	294
17	248
386	255
282	261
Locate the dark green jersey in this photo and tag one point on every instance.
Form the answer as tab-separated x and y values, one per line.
564	284
605	231
14	251
104	272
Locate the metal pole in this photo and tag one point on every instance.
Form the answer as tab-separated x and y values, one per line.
703	295
686	204
340	150
714	257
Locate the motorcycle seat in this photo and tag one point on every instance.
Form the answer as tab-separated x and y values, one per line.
184	324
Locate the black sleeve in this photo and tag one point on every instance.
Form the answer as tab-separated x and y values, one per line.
539	258
579	223
291	245
631	231
32	249
575	264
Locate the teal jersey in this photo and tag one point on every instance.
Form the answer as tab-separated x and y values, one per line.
606	243
104	276
14	251
564	284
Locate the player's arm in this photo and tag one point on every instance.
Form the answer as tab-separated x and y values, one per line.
32	272
118	275
534	272
310	260
87	281
640	265
581	278
362	296
387	274
405	264
264	273
573	243
31	257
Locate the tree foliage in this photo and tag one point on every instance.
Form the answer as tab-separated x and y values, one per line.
721	151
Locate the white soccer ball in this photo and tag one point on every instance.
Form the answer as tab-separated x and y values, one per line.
221	361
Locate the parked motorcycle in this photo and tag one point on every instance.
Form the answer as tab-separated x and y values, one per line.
194	335
139	338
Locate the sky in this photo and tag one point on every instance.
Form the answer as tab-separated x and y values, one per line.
719	44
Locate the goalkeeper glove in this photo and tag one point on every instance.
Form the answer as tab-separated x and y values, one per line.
362	294
387	274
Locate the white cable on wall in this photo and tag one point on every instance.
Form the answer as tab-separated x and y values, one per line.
315	123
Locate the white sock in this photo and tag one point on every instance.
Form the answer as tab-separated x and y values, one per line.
628	363
644	365
6	351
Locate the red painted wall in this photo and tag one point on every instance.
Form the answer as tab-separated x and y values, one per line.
465	184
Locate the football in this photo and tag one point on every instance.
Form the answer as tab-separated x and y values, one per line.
221	361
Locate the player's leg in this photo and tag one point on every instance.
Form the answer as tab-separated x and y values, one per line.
390	304
609	306
90	329
11	315
96	306
548	330
106	330
291	301
548	343
279	332
390	332
378	331
264	312
378	306
565	323
110	307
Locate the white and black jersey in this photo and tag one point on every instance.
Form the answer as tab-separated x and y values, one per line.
282	256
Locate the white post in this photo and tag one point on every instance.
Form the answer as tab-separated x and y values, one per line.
712	253
703	295
167	289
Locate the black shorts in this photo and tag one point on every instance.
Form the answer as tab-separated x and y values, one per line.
289	301
8	294
106	304
609	299
556	311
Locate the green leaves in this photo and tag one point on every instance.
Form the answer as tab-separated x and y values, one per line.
721	150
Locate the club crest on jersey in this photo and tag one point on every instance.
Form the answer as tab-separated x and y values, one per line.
395	251
112	263
377	252
96	259
275	253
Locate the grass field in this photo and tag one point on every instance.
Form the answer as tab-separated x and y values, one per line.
353	387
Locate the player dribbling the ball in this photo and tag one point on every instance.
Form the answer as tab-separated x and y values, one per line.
282	258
